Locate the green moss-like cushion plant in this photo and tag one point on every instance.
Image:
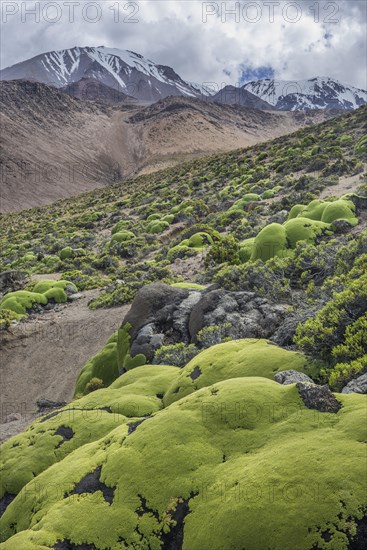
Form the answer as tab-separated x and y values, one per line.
193	286
245	251
46	285
340	210
242	203
122	236
303	229
68	253
157	226
225	467
21	301
235	359
325	211
103	365
119	226
270	242
198	241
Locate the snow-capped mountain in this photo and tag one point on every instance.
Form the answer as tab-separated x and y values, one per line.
138	77
315	93
122	70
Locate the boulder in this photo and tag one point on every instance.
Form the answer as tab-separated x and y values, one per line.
341	226
12	280
292	377
318	397
162	315
250	315
358	385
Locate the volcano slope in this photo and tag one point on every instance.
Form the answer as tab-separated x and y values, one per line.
180	434
79	145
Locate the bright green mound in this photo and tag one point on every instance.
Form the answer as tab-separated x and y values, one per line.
44	286
340	210
198	241
236	359
303	229
102	366
121	225
314	210
42	444
241	464
157	226
325	211
134	395
22	300
246	249
270	242
68	253
193	286
122	236
242	203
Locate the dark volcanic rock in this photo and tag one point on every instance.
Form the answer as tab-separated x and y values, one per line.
291	377
162	315
359	385
318	397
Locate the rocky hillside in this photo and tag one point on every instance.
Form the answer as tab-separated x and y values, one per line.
79	145
233	395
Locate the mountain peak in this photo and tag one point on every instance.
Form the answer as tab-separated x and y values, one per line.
122	70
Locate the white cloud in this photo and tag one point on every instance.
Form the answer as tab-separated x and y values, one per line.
172	32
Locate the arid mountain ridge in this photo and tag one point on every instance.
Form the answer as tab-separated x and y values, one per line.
78	145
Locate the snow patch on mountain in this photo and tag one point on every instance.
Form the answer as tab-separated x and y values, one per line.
314	93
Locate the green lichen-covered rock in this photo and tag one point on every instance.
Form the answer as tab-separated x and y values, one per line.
235	359
270	242
226	467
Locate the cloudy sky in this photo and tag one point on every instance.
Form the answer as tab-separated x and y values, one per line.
202	41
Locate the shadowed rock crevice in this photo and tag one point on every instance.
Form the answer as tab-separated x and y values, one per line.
133	425
66	434
5	500
173	540
55	413
91	484
145	509
68	545
195	373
